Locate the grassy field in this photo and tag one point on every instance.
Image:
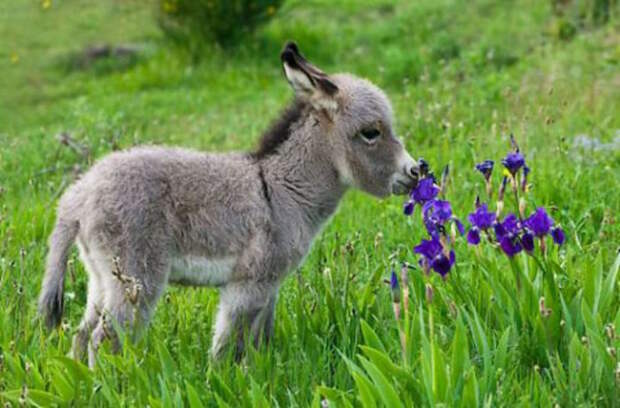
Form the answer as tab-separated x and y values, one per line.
461	75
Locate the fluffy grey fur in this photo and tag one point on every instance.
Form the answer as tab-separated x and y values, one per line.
150	216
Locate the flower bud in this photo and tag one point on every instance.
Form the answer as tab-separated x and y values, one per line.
544	311
524	185
500	208
610	331
502	189
489	187
404	275
444	178
429	293
408	207
395	287
522	205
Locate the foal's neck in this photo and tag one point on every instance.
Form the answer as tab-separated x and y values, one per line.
300	176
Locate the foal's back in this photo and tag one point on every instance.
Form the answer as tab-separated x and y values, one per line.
175	194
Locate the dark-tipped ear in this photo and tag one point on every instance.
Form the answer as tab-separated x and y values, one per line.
305	78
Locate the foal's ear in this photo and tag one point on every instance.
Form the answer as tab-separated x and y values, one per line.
308	81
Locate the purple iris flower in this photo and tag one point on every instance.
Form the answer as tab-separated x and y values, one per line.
558	235
527	240
513	162
507	234
473	236
439	211
539	223
486	168
508	227
511	247
436	214
482	218
434	256
425	190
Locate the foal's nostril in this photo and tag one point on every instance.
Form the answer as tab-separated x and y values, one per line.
424	167
413	172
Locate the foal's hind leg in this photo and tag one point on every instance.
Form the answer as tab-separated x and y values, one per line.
244	309
94	304
264	331
133	285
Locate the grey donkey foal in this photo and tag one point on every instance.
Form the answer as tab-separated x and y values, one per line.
150	216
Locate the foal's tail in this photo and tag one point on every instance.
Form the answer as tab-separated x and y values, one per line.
52	290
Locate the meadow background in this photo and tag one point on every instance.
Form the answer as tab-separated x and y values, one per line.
462	76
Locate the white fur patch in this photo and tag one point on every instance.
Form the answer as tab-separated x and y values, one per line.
298	79
344	171
201	271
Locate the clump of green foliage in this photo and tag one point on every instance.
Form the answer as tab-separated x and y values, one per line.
573	16
191	23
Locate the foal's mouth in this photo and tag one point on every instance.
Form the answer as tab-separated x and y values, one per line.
400	187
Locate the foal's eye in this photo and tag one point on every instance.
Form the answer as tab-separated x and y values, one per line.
370	135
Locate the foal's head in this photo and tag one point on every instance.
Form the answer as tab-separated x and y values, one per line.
355	118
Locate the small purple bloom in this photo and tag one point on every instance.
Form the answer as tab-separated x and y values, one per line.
527	240
408	207
433	252
442	264
510	246
507	234
473	236
486	168
482	217
436	214
558	235
429	248
513	162
425	190
438	211
509	227
539	223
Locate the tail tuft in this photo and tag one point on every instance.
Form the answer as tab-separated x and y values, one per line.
51	306
51	299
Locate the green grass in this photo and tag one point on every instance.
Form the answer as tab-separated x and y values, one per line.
461	75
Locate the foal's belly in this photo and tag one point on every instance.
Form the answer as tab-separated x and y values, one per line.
201	271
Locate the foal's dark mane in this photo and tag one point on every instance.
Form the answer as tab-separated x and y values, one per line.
280	130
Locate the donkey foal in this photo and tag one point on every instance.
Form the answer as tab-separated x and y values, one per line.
150	216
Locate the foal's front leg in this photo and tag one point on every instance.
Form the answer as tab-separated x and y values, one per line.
245	308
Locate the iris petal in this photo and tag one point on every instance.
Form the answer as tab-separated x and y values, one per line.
510	247
408	207
473	236
527	240
539	222
459	225
558	235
